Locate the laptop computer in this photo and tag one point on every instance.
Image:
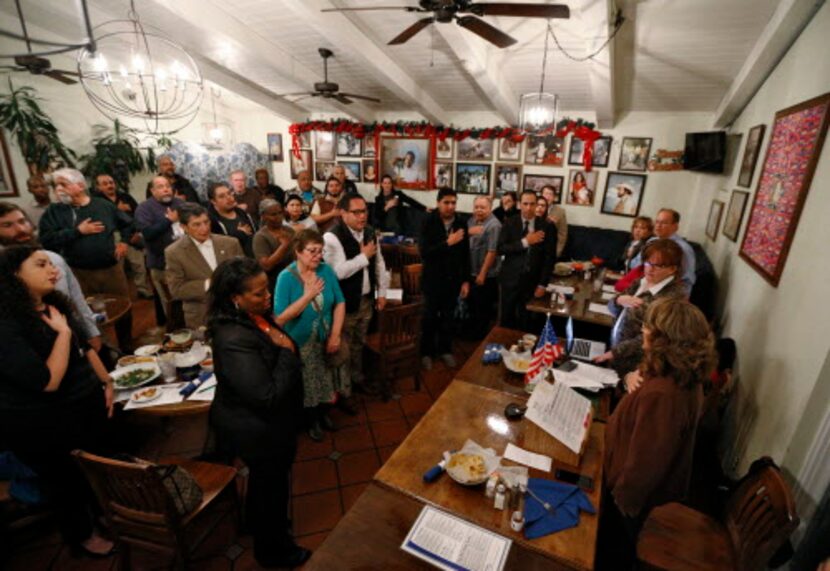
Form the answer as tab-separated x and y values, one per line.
582	349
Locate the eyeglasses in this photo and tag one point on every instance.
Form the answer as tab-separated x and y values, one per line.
315	251
658	266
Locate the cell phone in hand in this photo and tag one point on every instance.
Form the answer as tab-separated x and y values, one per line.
567	366
580	480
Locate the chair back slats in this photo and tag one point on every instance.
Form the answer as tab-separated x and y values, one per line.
760	516
411	281
400	327
409	255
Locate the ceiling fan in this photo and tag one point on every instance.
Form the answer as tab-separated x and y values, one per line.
330	90
445	11
37	65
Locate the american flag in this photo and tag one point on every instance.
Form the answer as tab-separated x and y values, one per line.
546	352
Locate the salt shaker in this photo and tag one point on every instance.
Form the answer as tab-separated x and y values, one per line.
500	498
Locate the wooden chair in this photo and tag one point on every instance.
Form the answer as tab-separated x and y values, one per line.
410	254
391	257
411	282
141	512
760	516
397	344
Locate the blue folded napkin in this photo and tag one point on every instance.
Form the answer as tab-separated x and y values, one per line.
492	354
567	501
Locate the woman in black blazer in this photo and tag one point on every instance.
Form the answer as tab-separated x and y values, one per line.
259	401
389	210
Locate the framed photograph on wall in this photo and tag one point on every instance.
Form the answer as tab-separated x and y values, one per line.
352	170
713	222
8	184
582	188
324	145
301	163
602	151
507	178
472	178
369	149
735	214
348	145
275	147
443	149
751	150
305	139
407	161
623	194
536	182
634	154
575	152
370	171
509	150
545	150
797	136
323	170
470	149
442	175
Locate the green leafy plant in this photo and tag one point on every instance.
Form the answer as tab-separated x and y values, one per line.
33	130
117	152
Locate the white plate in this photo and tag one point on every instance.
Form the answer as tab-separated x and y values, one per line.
139	398
120	372
517	363
147	350
459	475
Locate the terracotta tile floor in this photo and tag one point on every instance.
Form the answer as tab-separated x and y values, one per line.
328	476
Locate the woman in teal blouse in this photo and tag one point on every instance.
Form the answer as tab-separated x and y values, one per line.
309	305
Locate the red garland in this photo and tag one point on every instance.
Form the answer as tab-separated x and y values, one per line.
580	130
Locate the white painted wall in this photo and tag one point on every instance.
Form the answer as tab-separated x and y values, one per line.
783	333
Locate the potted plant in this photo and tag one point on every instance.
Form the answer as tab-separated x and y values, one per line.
33	130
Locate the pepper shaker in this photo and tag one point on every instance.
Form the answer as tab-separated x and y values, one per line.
500	498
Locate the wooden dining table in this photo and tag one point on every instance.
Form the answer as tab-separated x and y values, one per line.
578	307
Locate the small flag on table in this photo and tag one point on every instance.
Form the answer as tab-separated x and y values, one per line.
546	352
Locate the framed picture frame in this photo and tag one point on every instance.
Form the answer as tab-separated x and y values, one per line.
323	170
472	178
797	131
348	145
545	150
275	147
324	145
370	171
408	161
634	154
602	152
470	149
353	170
444	149
507	177
442	175
582	187
8	184
509	150
305	139
302	163
713	222
369	148
536	182
735	214
623	194
753	146
575	152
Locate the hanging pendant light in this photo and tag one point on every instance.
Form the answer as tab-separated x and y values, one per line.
538	110
135	71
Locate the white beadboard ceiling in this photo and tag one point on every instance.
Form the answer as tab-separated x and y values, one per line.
671	55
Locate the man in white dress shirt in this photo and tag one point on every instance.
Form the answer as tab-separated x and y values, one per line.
192	260
352	252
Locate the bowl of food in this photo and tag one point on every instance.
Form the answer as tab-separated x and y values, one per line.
146	395
133	360
562	269
181	336
517	362
468	468
147	350
207	364
134	376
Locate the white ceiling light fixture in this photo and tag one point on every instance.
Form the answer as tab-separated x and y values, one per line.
537	111
135	71
216	135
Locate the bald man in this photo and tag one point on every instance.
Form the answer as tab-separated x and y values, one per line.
181	186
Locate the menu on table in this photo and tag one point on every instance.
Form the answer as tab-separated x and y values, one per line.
451	543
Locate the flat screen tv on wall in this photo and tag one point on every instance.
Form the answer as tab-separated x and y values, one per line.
705	152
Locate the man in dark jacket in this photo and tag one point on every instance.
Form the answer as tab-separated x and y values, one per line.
528	244
227	218
446	258
182	188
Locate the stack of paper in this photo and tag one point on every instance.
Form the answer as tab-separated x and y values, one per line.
563	289
561	412
608	288
588	377
600	308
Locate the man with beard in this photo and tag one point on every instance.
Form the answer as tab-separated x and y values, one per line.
181	186
17	230
227	218
268	190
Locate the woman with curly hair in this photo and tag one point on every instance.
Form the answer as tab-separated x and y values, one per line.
54	391
650	437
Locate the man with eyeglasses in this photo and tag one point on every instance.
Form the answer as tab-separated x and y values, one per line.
445	251
352	252
666	224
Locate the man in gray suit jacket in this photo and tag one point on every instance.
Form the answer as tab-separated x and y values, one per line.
192	259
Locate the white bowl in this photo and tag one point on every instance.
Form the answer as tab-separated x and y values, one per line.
121	372
147	350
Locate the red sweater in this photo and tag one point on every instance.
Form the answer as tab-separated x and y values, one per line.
649	444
